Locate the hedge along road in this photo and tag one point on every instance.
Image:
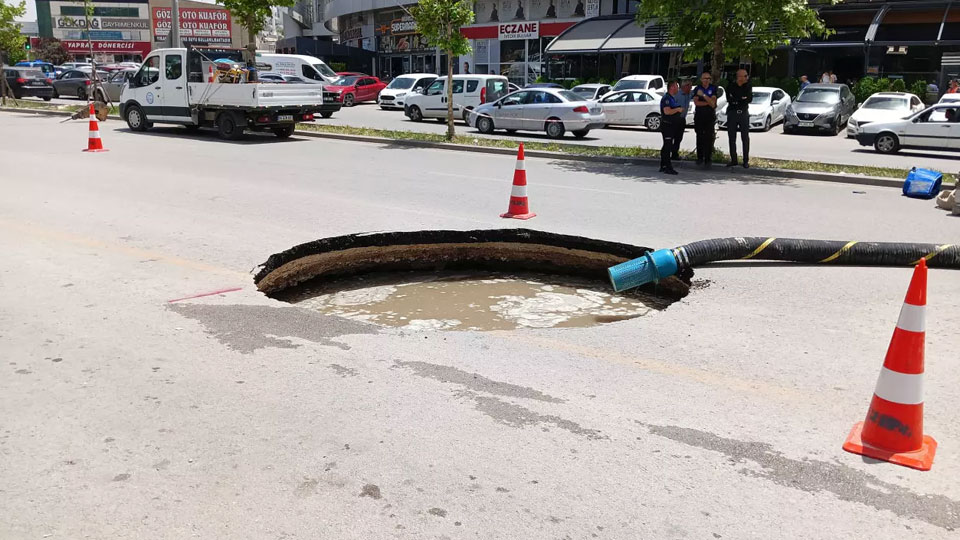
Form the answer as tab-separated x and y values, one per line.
772	144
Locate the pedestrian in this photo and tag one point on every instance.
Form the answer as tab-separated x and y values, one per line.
833	77
953	87
466	68
825	78
670	120
684	97
705	118
739	97
804	82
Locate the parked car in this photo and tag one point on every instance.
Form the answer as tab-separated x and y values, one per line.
469	92
642	82
883	107
351	74
75	83
767	108
632	108
935	128
593	92
392	97
949	98
48	69
721	104
544	85
540	109
28	81
112	87
822	107
272	77
354	89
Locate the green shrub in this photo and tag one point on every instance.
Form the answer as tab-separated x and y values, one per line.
899	85
864	88
883	85
338	66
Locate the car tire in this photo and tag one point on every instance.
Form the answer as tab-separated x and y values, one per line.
767	124
82	93
416	115
349	100
228	127
284	132
886	143
836	127
326	114
485	125
554	128
136	119
652	122
580	133
47	98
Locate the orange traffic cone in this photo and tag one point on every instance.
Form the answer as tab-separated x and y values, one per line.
893	429
93	141
210	78
519	207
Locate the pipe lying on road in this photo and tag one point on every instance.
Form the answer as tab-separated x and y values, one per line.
663	263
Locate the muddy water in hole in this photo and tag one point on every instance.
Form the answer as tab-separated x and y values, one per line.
470	301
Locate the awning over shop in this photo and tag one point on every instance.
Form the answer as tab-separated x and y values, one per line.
587	36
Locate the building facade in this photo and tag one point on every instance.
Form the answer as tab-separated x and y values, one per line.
127	30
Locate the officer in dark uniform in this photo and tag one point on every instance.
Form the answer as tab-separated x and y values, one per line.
671	122
739	96
705	118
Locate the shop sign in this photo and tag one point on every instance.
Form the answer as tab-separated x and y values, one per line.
119	47
519	30
125	24
404	26
351	34
197	25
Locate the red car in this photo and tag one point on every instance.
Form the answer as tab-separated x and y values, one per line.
355	89
351	73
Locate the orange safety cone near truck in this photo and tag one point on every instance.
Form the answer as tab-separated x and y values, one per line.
94	144
519	206
893	429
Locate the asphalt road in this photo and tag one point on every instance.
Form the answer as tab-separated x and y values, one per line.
236	416
772	144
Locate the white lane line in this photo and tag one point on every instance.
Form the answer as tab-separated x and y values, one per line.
529	184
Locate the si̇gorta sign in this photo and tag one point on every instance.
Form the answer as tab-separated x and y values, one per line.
519	30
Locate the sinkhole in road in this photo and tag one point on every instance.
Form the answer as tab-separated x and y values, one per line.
496	279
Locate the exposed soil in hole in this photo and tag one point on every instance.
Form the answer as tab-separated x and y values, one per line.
470	301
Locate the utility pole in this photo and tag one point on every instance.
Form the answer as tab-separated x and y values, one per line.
175	24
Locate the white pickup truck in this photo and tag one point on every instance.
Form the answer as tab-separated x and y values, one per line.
172	87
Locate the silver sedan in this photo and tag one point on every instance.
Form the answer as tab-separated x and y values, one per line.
554	111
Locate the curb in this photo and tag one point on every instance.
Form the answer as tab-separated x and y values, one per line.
759	173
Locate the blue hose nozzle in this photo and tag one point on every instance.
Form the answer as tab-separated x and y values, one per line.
652	267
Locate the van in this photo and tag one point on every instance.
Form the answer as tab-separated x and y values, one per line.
298	65
654	83
469	92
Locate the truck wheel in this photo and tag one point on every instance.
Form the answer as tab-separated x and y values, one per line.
284	132
136	120
326	114
228	127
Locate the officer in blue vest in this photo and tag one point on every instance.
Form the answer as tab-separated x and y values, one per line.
705	118
671	122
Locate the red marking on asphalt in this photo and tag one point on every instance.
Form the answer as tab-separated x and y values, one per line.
201	295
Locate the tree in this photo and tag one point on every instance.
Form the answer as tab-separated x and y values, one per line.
11	40
439	21
730	29
253	13
53	51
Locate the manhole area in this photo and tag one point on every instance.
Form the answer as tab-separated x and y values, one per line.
470	301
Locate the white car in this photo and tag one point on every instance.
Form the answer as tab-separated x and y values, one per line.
555	111
653	83
721	103
768	106
632	108
883	107
469	92
393	95
593	92
935	128
950	98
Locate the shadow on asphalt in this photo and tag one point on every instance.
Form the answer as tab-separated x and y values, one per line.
689	173
210	135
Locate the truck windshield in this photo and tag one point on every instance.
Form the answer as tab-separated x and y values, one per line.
325	70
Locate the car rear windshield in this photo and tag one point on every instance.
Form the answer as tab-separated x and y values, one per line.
886	103
401	83
583	91
630	85
819	95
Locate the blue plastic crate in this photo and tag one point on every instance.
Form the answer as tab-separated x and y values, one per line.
922	183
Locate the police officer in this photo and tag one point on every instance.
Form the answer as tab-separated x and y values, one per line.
739	97
705	118
671	121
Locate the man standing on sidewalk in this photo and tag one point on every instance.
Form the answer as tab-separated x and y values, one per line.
670	121
684	97
705	118
739	97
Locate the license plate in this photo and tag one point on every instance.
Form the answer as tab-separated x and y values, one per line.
806	124
595	111
285	118
327	99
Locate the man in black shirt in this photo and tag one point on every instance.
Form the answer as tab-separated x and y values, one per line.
739	97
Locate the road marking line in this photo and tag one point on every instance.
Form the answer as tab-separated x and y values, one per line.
535	184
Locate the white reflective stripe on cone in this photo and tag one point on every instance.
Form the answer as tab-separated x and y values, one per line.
912	318
94	135
902	388
518	191
520	165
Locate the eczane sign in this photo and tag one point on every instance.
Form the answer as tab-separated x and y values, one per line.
519	30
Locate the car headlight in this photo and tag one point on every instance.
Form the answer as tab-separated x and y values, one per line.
853	123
